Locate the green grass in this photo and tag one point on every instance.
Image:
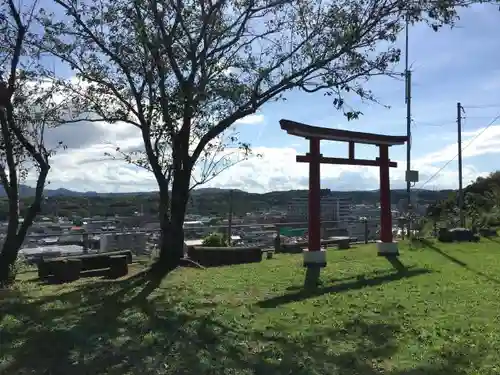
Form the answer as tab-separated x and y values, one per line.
437	315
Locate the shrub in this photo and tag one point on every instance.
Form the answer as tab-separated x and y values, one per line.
214	240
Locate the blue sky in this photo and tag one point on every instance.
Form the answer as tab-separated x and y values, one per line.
452	65
459	64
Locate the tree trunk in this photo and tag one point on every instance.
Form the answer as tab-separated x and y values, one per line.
8	256
10	247
17	233
172	224
171	245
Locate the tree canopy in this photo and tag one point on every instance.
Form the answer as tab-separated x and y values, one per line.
482	203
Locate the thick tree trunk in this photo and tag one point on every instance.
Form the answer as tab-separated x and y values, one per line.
172	224
10	247
171	246
8	256
17	233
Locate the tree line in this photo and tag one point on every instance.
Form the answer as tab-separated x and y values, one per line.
481	205
182	73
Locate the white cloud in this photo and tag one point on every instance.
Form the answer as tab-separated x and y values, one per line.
85	168
476	143
251	119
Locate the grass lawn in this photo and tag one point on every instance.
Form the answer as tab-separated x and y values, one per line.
437	313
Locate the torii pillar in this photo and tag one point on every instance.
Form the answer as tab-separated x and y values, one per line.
314	255
385	245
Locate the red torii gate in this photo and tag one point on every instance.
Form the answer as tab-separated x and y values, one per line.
314	256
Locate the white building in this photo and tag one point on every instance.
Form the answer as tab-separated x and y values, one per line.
332	209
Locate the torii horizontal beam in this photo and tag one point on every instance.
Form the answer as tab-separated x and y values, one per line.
344	161
328	134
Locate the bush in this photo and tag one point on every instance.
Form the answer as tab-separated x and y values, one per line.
214	240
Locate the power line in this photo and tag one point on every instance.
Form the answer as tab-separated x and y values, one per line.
476	117
464	148
482	106
439	124
434	124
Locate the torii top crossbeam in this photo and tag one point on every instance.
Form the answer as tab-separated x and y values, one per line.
307	131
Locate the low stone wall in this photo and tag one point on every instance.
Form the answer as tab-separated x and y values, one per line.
224	256
89	262
297	248
488	232
293	248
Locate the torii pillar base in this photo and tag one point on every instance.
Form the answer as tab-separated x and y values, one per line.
314	261
386	249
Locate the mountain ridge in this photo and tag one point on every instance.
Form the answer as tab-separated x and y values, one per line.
27	191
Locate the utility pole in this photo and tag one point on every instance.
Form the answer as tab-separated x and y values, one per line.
408	127
230	218
460	187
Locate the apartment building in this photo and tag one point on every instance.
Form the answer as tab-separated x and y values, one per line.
332	209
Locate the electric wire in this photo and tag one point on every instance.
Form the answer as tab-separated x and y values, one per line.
433	124
481	106
463	148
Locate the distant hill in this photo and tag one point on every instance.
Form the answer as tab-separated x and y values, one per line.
274	196
27	191
204	201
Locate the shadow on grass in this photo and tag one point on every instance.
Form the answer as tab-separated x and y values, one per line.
103	274
360	283
430	245
394	261
111	328
396	264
